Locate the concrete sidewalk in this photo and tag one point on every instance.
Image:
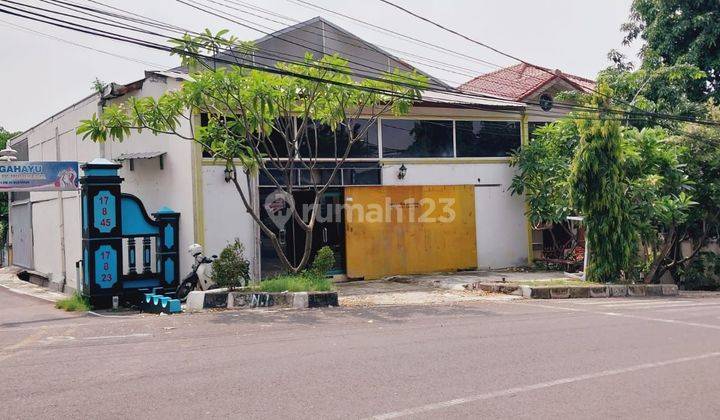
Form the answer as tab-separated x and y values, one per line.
467	280
10	281
390	292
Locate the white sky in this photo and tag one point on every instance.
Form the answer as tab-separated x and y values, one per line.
40	76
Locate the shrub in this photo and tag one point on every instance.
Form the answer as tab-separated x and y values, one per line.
324	262
703	273
74	303
232	269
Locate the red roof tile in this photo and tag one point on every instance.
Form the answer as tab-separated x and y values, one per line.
520	81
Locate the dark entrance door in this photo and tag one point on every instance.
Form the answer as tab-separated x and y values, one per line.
329	230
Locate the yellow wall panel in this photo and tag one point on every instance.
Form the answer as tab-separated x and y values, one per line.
392	230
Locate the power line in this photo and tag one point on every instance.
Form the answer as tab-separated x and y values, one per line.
445	28
439	48
438	89
362	45
76	44
281	56
98	32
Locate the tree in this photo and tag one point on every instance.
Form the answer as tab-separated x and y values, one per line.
680	32
258	120
656	88
4	137
598	191
543	170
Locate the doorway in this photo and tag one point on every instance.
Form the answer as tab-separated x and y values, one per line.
329	230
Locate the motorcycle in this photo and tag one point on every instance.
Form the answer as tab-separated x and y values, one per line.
201	275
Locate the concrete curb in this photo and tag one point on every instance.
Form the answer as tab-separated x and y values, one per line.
222	298
582	292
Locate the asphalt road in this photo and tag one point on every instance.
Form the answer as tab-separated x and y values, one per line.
619	358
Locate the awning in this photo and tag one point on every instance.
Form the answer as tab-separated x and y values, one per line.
141	155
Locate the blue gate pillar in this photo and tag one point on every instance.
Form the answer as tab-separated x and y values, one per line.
101	231
166	248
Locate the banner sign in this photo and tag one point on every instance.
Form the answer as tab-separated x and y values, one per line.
38	176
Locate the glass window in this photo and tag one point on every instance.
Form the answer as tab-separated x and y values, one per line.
331	144
417	138
317	137
275	145
487	138
365	146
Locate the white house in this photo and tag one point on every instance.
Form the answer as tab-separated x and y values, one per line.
470	138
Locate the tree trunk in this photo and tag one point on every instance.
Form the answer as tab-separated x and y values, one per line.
656	268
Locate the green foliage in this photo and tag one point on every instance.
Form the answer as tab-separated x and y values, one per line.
98	86
703	273
598	191
324	262
304	282
231	269
4	137
543	169
654	87
312	280
680	32
74	303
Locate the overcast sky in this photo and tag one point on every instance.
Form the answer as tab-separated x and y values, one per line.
40	75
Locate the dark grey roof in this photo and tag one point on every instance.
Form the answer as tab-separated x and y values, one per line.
291	43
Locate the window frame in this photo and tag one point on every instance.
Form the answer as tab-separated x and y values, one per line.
454	157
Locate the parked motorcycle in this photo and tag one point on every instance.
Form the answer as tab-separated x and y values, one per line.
201	275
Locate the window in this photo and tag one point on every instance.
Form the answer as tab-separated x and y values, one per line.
487	138
331	144
364	147
273	145
417	138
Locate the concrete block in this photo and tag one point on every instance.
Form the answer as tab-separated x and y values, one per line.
535	292
636	290
322	299
195	301
300	300
669	289
653	289
617	290
559	292
217	298
579	292
255	299
599	291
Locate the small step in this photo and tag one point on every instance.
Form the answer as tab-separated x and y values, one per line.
154	303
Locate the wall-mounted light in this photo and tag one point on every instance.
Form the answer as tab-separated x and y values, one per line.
228	174
402	172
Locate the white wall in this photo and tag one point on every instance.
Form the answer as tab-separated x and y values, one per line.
501	225
172	187
225	217
47	226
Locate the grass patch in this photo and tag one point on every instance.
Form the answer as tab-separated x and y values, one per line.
295	283
74	303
